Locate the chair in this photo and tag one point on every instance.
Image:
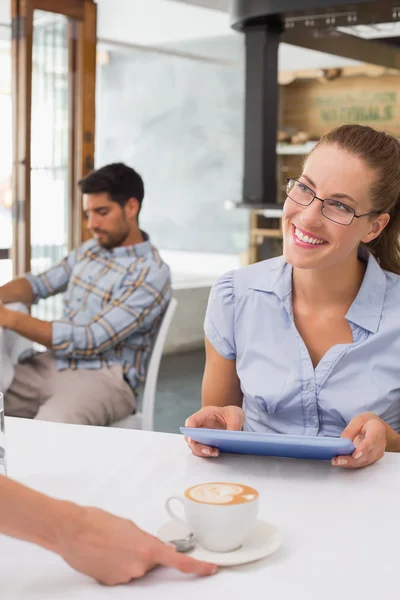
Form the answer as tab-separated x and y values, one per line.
145	418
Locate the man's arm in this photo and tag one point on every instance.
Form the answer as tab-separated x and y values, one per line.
29	327
137	304
103	546
30	288
54	280
17	290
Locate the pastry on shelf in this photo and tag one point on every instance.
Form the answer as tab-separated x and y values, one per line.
301	137
283	137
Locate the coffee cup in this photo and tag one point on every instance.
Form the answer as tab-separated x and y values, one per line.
220	514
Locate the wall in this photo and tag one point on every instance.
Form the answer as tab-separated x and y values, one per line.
179	122
5	12
186	332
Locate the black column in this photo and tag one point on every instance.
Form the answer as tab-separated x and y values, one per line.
261	113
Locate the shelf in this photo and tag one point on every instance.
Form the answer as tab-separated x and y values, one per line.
295	149
271	213
268	233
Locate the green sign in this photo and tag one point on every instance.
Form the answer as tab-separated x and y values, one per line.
357	113
354	98
358	107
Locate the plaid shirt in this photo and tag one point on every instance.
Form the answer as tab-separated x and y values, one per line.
113	304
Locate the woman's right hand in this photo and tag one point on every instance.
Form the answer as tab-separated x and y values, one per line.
214	417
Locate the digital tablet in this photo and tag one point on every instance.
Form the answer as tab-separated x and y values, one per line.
271	444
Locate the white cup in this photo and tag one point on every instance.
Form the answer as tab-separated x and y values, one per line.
219	527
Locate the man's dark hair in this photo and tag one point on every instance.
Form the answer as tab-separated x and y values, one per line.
119	181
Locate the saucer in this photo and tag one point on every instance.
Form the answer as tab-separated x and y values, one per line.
262	541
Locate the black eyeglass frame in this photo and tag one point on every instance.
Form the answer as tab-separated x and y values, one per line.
315	197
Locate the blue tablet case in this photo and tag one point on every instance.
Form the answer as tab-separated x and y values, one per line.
271	444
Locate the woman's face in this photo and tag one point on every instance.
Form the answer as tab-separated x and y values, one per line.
332	173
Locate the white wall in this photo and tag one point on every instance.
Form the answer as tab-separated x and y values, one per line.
5	12
186	332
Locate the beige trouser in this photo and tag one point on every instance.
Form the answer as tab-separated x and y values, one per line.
82	396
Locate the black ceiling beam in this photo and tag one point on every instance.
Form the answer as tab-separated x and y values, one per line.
367	12
261	114
245	11
347	46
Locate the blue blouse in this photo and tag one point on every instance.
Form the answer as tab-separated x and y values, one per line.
250	318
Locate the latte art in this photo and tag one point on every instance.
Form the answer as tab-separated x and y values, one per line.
221	493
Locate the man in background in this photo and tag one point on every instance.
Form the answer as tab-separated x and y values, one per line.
116	291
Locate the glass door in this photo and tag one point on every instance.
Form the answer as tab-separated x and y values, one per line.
54	54
49	225
6	228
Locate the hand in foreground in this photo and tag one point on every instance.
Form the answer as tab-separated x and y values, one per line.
114	551
368	434
214	417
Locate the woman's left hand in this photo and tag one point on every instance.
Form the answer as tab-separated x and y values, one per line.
368	434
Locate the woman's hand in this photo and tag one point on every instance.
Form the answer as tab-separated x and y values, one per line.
114	551
368	434
214	417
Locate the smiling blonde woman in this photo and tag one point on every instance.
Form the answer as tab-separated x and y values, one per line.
309	343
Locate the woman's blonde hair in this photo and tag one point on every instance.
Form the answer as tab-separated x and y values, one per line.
381	152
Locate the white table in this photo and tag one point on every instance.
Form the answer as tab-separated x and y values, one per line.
341	528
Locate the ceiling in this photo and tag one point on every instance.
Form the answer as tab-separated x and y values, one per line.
220	5
199	27
158	22
199	18
213	4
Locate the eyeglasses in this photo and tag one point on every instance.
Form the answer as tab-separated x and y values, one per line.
331	209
